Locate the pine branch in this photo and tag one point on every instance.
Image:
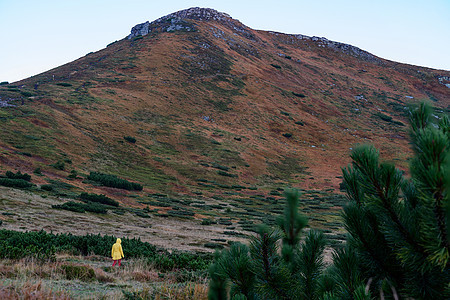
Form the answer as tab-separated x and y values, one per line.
431	146
441	217
234	264
310	263
273	278
354	217
394	217
218	282
365	159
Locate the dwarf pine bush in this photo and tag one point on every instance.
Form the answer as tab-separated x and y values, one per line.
15	183
99	199
18	175
114	181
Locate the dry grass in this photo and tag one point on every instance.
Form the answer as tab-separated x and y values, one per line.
31	279
28	268
31	291
189	291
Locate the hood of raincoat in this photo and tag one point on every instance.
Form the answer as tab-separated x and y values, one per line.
118	241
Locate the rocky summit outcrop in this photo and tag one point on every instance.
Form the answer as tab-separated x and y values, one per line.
163	24
345	48
179	21
202	14
445	80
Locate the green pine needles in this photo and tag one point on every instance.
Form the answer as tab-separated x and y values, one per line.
399	226
398	233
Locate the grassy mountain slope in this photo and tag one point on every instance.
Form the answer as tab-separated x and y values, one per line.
203	106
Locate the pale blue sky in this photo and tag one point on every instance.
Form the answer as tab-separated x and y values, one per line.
38	35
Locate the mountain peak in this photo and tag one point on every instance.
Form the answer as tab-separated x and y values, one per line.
198	13
178	21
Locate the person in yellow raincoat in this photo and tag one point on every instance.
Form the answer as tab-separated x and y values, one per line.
116	252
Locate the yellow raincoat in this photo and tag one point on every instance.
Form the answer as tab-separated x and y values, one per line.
116	251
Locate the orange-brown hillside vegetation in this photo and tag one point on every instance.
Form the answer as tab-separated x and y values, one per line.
210	103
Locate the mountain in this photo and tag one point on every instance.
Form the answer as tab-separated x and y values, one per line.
197	104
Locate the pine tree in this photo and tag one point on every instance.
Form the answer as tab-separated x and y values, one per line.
399	227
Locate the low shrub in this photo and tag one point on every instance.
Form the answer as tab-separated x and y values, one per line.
81	207
141	214
222	173
181	260
287	135
384	117
276	66
208	222
18	250
71	206
223	168
300	95
234	233
95	208
47	187
226	222
114	181
238	187
18	175
181	214
26	94
85	197
73	174
64	84
15	183
25	154
59	165
130	139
